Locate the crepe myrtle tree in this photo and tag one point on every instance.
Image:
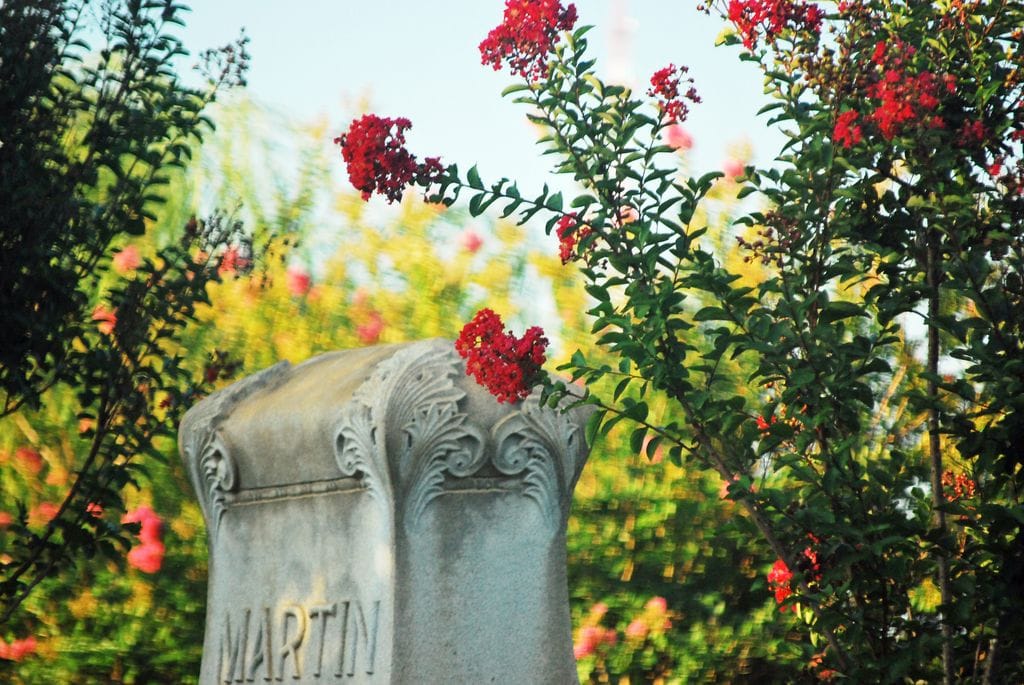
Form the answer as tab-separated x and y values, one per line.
862	397
87	140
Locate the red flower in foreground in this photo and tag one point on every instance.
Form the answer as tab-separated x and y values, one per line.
778	581
904	99
569	233
772	17
377	161
846	132
504	364
665	86
526	36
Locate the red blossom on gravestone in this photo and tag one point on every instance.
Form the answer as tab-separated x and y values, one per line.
526	36
666	86
504	364
378	162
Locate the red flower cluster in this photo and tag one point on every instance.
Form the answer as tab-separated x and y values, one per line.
780	577
810	563
569	233
377	160
778	581
973	134
665	86
847	132
903	97
957	486
149	556
526	36
772	17
507	366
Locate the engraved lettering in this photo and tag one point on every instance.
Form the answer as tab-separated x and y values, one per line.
232	649
323	611
262	650
267	644
359	634
291	646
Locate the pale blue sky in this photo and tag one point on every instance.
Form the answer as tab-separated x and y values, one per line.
420	60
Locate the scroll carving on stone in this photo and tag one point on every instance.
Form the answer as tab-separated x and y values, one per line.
355	448
545	447
211	468
220	473
428	434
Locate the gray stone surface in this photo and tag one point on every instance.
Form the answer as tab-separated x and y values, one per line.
376	517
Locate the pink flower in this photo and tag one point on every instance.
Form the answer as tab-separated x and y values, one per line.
526	36
470	241
678	138
656	605
95	510
376	159
18	649
733	168
127	260
598	610
106	318
637	629
44	512
233	261
5	519
151	525
147	557
298	281
32	460
659	451
369	331
589	638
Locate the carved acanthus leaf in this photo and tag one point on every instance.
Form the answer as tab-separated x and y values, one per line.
544	446
355	448
211	468
427	435
220	474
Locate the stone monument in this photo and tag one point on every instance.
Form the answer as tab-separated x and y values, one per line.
376	517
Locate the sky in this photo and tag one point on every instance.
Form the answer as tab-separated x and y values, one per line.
417	59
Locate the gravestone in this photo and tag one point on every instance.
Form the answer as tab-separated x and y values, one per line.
374	516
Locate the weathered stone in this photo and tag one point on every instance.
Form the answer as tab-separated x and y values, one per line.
376	517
